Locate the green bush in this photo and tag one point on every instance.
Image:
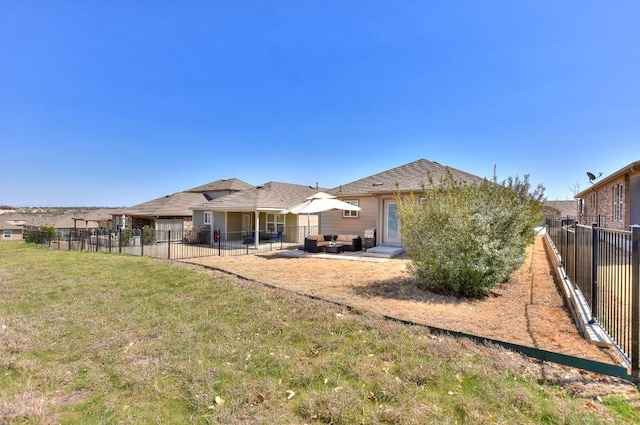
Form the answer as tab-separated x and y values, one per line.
125	236
466	238
149	235
43	234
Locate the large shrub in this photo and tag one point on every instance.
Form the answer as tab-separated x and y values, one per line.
43	234
466	238
125	236
149	235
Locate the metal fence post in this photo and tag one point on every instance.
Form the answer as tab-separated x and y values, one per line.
141	242
635	302
575	253
169	244
594	272
565	249
120	241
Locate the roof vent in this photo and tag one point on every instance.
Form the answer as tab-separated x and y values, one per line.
378	184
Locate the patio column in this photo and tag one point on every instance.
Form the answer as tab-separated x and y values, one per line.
211	229
256	239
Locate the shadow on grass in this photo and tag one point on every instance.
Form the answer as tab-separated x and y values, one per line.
406	289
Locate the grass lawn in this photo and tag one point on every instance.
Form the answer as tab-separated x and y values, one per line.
102	338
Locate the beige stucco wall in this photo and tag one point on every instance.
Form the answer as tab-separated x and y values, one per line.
15	234
198	218
302	221
234	222
332	222
371	217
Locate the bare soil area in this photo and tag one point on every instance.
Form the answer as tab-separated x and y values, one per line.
529	310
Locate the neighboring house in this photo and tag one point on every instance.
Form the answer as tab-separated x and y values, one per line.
560	209
173	212
64	221
169	212
376	196
10	230
614	200
100	218
258	208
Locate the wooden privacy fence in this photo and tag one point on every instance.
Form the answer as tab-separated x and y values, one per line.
604	265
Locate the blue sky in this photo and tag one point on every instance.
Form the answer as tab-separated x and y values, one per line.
111	103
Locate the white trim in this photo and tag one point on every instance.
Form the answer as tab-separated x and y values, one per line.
350	213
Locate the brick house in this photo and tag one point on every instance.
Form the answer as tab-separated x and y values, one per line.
614	200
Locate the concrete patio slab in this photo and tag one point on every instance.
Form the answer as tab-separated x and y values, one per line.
383	251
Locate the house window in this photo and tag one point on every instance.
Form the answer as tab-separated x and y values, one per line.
207	217
275	222
618	206
351	214
6	234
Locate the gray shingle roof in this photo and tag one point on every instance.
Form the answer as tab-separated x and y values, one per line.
176	205
222	184
99	214
268	196
563	208
9	225
405	178
62	219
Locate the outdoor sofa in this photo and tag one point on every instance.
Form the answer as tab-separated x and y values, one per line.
316	243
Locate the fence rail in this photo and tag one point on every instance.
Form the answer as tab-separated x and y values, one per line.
604	265
172	244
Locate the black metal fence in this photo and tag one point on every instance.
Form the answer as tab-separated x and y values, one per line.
604	265
172	244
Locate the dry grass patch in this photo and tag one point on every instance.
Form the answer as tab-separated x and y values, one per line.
528	310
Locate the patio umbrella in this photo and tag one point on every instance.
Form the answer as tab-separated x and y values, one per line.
319	202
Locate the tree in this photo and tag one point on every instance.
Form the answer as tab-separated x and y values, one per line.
575	188
125	236
465	238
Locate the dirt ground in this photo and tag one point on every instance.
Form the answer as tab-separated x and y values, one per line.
528	310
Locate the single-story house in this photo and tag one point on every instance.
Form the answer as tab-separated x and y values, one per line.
64	221
99	218
612	201
11	230
375	194
239	215
173	212
560	209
